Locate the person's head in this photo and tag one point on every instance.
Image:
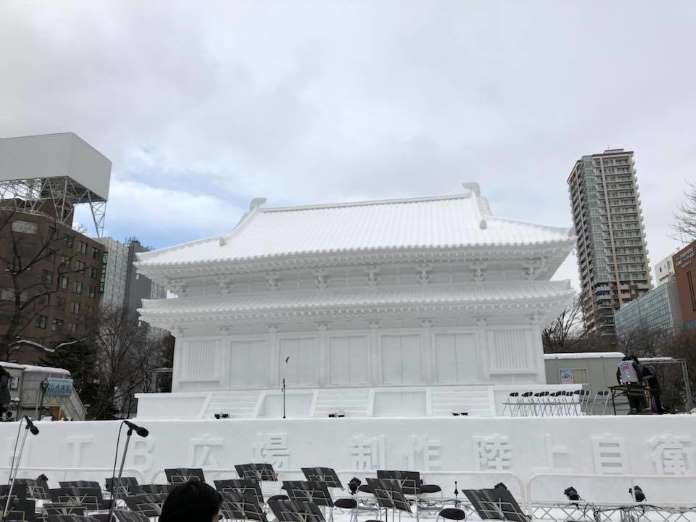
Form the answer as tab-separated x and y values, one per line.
193	501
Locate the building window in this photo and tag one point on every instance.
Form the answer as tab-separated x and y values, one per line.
41	321
25	227
78	287
76	308
92	292
93	272
7	294
56	325
64	281
69	240
95	252
47	277
83	248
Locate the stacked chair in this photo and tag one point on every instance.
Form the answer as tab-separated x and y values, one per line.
555	403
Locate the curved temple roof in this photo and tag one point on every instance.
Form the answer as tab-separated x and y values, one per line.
456	221
509	293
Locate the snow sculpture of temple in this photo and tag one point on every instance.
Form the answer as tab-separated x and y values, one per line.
416	307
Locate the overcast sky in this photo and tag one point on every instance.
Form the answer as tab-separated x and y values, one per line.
202	106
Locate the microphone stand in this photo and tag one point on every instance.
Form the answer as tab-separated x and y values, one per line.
116	485
287	359
283	397
14	466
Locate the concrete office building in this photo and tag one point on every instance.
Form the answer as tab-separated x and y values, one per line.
611	247
658	311
663	270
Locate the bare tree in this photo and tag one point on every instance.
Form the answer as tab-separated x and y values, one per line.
33	261
565	331
685	225
643	342
127	352
681	346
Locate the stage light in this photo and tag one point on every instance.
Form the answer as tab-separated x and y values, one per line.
637	493
571	493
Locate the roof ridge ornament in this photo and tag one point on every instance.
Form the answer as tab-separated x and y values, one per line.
482	205
256	203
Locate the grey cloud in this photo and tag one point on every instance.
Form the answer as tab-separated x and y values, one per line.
313	101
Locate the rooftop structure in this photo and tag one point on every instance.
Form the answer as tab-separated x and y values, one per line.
52	173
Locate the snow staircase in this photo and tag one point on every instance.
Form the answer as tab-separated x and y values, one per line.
354	403
476	401
238	404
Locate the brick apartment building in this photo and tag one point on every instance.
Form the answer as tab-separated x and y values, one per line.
65	281
685	272
50	274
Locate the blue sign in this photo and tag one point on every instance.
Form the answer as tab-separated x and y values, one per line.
59	387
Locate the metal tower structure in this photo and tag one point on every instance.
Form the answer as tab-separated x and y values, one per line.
52	174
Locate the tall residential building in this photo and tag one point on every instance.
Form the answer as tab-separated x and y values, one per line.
122	287
611	247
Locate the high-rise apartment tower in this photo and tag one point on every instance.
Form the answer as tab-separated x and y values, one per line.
611	247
